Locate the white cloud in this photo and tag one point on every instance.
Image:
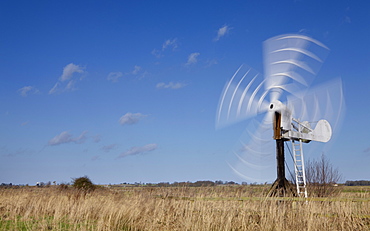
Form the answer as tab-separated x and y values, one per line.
139	150
157	53
24	91
66	137
54	89
170	85
108	148
193	58
81	139
211	62
70	85
69	70
222	32
68	74
114	76
63	137
168	44
131	118
136	70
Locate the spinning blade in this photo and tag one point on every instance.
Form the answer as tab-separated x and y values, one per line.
291	63
325	101
242	97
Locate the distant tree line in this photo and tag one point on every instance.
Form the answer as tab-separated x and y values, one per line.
6	185
201	183
357	182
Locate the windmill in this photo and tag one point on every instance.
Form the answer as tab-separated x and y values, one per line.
290	105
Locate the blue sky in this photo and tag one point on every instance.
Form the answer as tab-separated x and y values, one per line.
127	91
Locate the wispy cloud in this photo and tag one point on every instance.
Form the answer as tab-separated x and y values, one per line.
108	148
171	44
11	153
25	123
96	138
211	62
114	76
192	58
137	71
25	91
67	76
170	85
66	137
69	70
222	32
54	89
346	18
131	118
139	150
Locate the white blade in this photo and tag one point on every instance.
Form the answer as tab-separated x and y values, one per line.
325	101
243	97
253	158
291	59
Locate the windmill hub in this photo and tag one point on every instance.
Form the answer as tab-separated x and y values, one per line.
277	106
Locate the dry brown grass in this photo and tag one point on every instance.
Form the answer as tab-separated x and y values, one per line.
204	208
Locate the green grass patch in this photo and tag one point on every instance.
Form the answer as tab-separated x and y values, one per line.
48	223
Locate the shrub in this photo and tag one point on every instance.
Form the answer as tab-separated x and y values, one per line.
83	183
322	177
62	186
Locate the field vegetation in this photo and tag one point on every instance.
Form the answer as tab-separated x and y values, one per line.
233	207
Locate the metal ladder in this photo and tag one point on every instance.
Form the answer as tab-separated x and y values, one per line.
300	176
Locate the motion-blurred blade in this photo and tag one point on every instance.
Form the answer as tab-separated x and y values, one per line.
243	97
291	59
253	157
325	101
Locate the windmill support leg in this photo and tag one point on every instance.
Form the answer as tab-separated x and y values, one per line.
280	161
281	187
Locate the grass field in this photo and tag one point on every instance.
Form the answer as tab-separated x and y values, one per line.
180	208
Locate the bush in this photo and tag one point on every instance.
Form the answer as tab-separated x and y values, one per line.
83	183
62	187
322	177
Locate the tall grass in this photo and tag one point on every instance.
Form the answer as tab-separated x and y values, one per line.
204	208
